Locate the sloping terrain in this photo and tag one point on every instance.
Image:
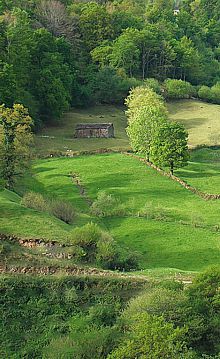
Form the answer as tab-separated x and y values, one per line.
201	120
169	226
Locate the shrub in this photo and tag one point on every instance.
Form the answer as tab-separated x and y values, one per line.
107	205
62	210
107	253
99	247
178	89
86	238
210	94
153	84
128	260
215	93
196	220
5	249
150	211
205	93
34	200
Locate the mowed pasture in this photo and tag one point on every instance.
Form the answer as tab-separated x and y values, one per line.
185	236
60	137
201	120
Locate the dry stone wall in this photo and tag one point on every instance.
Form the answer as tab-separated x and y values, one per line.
203	195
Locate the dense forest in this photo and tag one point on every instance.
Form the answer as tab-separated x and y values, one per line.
59	54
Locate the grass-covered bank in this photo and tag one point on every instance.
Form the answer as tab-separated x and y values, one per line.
166	224
201	120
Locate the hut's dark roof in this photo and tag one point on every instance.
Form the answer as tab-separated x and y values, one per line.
84	126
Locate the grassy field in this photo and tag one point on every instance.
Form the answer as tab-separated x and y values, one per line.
201	120
185	234
185	239
61	137
203	170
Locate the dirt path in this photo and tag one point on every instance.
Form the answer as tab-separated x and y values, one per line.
76	180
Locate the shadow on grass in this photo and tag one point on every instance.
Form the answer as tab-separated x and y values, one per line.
192	123
188	174
166	244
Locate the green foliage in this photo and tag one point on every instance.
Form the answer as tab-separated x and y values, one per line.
106	205
204	308
178	89
215	93
150	211
62	210
164	300
98	246
7	83
125	52
210	94
150	336
52	78
109	87
146	111
52	317
34	200
205	93
195	309
153	84
15	140
95	25
169	146
57	207
47	50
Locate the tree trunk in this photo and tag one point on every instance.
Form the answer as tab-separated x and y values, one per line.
171	167
143	67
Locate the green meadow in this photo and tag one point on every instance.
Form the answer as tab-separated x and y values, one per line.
184	236
168	226
201	120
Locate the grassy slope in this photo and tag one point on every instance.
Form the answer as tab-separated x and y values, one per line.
64	133
201	120
133	183
203	170
162	244
22	221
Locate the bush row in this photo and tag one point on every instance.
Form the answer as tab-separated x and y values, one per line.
58	208
210	94
179	89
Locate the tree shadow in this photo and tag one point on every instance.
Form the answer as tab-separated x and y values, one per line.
192	123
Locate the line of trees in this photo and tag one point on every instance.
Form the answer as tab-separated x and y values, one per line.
151	133
55	54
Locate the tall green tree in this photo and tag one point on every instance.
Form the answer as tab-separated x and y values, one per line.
146	111
125	52
95	25
169	146
15	139
19	41
51	76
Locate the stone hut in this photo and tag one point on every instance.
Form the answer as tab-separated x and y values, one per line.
89	130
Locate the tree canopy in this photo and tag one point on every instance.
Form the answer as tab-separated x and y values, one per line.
69	43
